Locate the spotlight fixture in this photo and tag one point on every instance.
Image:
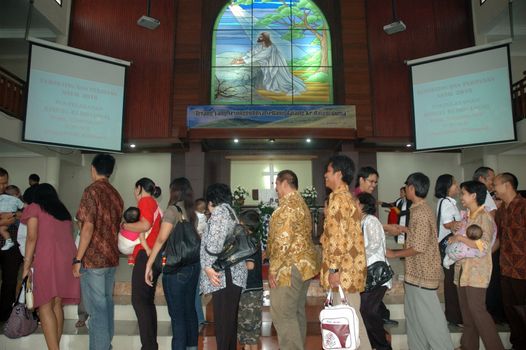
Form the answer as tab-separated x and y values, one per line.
308	140
409	145
236	140
271	140
396	25
132	145
146	21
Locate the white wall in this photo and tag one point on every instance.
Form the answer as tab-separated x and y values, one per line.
20	168
129	168
515	164
395	167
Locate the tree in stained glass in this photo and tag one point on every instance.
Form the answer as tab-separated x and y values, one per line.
271	52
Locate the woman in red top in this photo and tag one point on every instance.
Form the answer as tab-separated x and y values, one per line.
142	294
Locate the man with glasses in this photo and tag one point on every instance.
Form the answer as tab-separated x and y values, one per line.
366	181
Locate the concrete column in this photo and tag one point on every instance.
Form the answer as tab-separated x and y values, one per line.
53	171
490	160
195	168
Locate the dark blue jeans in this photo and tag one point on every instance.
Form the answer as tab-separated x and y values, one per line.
179	291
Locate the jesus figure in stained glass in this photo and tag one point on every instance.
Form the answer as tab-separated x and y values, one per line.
271	69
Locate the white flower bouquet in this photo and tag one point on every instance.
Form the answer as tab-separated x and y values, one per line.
239	193
310	195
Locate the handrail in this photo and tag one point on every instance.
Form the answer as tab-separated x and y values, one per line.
11	94
518	93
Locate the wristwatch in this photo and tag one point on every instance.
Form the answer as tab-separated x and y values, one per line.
334	270
76	261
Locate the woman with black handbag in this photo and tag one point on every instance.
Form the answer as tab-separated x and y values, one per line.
179	285
379	273
225	285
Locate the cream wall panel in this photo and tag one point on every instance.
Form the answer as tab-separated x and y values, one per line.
395	167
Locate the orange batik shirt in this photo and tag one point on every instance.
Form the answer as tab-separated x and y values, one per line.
343	244
290	240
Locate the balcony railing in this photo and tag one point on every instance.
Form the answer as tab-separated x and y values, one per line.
11	94
519	99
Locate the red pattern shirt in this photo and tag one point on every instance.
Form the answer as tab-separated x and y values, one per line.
148	206
102	206
511	223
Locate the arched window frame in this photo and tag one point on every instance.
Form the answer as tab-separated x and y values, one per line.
294	29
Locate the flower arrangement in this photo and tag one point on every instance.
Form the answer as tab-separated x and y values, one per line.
239	193
310	195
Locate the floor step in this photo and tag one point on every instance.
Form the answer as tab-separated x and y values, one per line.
127	337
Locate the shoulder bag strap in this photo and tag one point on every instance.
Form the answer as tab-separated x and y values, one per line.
180	212
438	215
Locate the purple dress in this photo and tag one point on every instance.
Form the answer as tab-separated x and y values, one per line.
52	274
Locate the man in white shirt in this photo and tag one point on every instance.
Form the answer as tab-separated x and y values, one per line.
486	175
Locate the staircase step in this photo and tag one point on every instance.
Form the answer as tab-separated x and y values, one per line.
127	337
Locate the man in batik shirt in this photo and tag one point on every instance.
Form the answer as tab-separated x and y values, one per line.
511	218
342	240
97	258
293	262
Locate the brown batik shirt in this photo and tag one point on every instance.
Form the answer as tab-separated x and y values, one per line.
423	269
102	206
511	223
343	244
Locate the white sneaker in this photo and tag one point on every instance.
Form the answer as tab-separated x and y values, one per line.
8	244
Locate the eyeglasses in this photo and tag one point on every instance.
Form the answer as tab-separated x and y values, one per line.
372	181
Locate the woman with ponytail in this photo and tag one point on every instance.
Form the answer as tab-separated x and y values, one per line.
143	294
179	287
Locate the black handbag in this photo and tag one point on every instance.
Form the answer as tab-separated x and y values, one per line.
238	246
182	247
378	273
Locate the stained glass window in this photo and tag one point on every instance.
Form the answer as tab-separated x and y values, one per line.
271	52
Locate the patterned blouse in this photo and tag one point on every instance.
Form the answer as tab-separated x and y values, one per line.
220	225
290	240
476	272
343	244
374	240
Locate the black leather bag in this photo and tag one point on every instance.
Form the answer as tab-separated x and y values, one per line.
378	273
238	246
180	249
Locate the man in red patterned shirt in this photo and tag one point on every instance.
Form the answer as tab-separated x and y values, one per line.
511	223
97	257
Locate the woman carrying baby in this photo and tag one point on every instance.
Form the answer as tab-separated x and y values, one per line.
472	275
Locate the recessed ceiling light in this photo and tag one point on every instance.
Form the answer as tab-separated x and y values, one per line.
271	140
132	145
236	140
409	145
308	140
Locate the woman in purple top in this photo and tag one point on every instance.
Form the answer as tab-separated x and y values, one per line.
49	249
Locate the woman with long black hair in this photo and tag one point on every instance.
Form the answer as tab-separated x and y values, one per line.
142	294
448	221
49	249
179	287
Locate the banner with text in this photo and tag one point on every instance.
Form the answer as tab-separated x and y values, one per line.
290	116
